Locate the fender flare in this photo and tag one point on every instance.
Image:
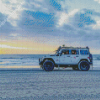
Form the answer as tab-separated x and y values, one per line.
49	59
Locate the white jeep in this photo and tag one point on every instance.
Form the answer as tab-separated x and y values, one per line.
76	57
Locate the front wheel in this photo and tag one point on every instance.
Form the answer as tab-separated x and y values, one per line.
48	65
84	65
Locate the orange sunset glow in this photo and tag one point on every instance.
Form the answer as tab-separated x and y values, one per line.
25	47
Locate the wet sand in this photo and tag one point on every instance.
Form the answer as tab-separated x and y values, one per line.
36	84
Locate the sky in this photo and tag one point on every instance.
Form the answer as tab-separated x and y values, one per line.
41	26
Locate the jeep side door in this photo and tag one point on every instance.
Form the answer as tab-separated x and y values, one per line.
74	56
65	57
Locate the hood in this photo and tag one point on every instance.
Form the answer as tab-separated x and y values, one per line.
49	55
53	55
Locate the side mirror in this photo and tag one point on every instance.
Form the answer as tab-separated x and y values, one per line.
59	53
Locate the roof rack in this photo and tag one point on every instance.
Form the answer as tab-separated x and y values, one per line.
74	47
71	48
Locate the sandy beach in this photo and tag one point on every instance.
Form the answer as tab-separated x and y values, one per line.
36	84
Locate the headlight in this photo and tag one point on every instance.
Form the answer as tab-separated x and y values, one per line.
41	59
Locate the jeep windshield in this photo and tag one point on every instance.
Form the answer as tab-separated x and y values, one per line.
57	51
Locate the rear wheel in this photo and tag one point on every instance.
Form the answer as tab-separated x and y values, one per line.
84	65
48	65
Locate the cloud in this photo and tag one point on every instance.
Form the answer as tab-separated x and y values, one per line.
80	18
78	28
28	16
97	1
9	6
11	47
74	26
47	20
83	19
64	17
14	34
36	22
11	9
40	18
5	26
97	26
46	6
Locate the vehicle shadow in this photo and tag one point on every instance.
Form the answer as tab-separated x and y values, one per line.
41	70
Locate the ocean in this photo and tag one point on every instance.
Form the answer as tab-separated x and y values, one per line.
20	59
32	60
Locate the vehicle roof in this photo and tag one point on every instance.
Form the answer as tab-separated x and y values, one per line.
74	48
64	48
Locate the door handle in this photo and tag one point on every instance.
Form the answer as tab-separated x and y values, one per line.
68	56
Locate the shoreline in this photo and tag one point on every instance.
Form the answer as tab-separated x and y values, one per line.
18	67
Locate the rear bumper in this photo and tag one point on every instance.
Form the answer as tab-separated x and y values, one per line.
91	63
91	59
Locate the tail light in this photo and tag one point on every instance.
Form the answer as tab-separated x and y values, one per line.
88	57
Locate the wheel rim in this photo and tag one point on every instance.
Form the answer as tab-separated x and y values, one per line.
84	66
48	66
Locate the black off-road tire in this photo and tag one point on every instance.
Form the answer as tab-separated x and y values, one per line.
84	66
48	65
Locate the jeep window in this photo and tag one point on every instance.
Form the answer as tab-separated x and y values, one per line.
65	52
74	52
84	52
